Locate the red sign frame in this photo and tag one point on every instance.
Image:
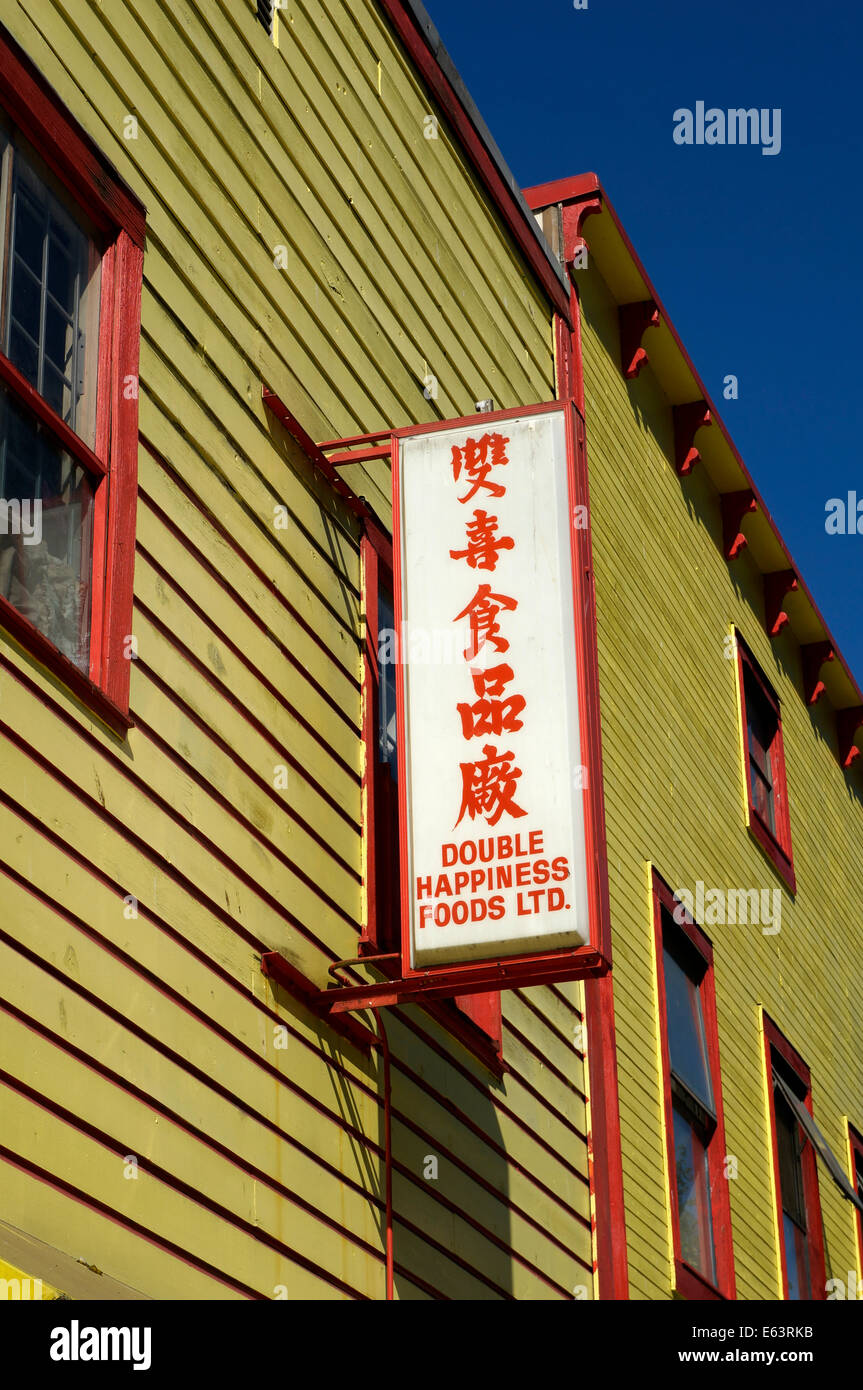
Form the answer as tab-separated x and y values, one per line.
593	958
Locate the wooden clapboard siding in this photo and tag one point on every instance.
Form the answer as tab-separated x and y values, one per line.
666	602
142	880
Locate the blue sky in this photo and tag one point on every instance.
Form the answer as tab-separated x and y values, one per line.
756	257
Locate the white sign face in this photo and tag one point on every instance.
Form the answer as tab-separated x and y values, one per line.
496	856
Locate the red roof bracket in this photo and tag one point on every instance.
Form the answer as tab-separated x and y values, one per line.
634	320
688	419
777	586
574	215
735	506
848	721
815	655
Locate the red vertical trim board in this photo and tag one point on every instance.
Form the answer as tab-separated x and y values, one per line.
776	1041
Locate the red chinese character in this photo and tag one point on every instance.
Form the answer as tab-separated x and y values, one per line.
492	680
476	459
492	716
483	548
482	612
488	786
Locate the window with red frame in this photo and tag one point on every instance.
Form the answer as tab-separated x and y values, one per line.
382	867
700	1208
765	763
801	1238
856	1141
71	240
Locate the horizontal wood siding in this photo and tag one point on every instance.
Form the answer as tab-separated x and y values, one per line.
141	881
667	602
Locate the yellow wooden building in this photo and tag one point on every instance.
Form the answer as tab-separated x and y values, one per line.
231	233
317	214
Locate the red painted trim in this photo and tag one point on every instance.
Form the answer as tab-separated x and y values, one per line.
37	110
49	656
594	957
814	655
689	1282
315	455
777	586
734	507
605	1150
778	847
112	463
120	568
474	1019
688	420
369	938
855	1143
848	722
36	405
465	421
763	509
606	1174
775	1040
633	322
503	196
542	195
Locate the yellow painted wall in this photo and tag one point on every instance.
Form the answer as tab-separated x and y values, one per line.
141	880
674	795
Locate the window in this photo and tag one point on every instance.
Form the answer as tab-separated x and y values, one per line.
764	762
476	1018
801	1244
700	1209
71	241
265	14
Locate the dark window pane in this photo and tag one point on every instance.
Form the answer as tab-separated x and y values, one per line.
30	229
693	1198
25	354
51	325
55	389
61	276
58	339
25	299
796	1259
387	652
45	533
789	1145
686	1037
762	796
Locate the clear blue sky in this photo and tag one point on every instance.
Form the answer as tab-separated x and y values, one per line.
756	257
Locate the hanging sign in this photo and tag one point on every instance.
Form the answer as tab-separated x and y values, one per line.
494	859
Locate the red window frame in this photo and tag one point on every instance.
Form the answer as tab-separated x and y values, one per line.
775	844
855	1145
689	1281
776	1043
112	464
474	1018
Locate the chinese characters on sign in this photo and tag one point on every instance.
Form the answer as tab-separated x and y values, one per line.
494	814
488	785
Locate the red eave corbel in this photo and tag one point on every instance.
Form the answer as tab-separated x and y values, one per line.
777	586
735	506
815	655
634	320
688	419
848	721
574	216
